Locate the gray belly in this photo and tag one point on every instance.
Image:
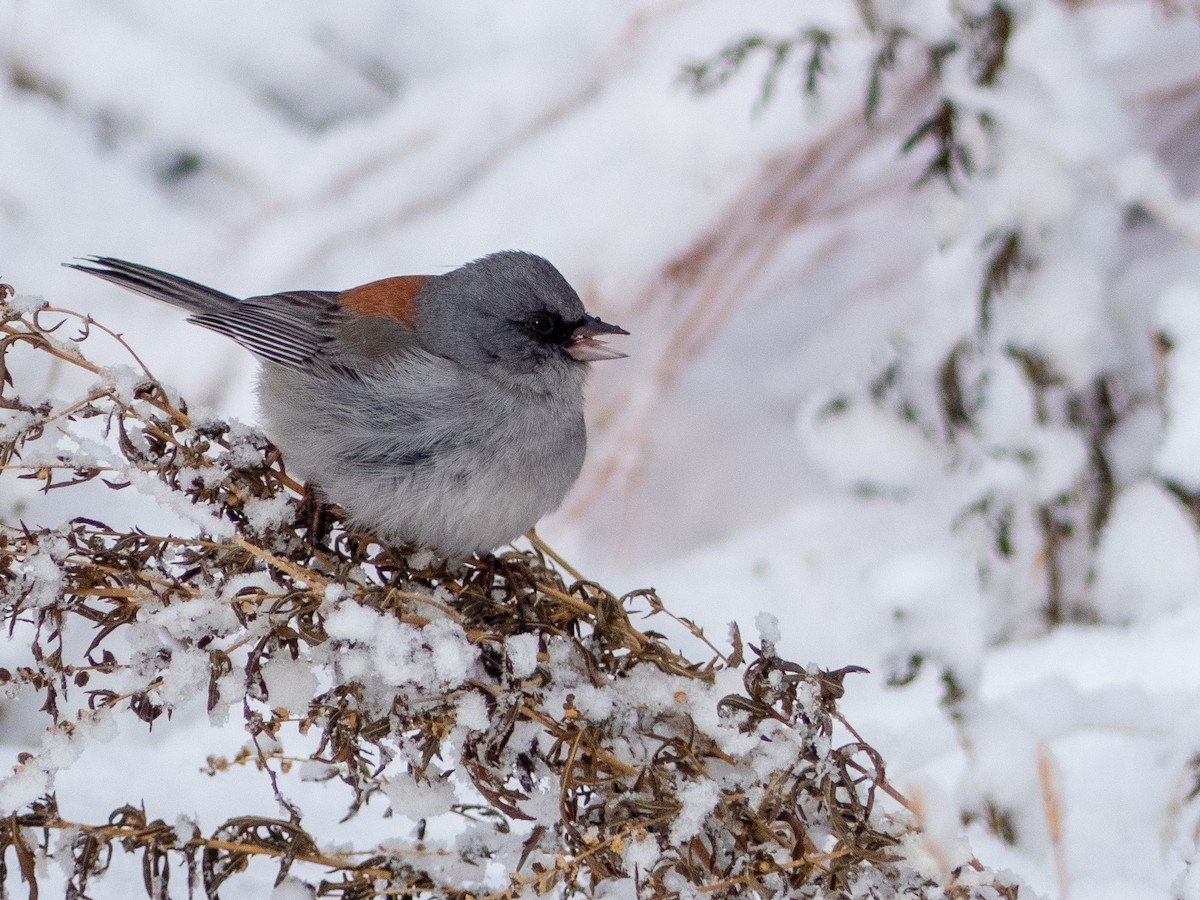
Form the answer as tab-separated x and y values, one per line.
462	499
455	483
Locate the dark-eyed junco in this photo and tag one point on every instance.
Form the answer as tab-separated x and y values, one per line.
444	411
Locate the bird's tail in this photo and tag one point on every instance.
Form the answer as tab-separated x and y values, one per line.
195	298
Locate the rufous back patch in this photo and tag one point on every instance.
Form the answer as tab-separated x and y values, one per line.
391	298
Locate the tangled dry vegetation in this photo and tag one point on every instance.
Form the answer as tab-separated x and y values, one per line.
577	751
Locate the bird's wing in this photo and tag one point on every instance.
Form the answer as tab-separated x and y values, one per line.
293	329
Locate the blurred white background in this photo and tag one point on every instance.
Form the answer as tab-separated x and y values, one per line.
826	415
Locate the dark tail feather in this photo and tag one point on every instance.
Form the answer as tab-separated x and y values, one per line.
195	298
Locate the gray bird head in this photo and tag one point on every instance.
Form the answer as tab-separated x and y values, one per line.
511	314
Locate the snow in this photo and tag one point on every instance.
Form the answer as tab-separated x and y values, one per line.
291	683
766	470
292	889
26	303
521	651
768	628
88	451
422	799
696	800
1126	588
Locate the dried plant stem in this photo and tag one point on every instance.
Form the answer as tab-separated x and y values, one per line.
1052	806
562	733
152	836
594	718
546	550
292	570
744	880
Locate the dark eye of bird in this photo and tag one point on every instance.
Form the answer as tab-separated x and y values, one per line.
545	325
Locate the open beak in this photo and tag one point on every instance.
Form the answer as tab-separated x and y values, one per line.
583	345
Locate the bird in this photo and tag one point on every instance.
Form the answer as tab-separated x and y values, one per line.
438	411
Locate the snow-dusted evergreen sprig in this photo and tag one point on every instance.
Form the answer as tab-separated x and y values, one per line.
979	40
582	753
1027	405
956	126
1028	218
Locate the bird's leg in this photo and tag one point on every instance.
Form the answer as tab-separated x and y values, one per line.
513	576
313	515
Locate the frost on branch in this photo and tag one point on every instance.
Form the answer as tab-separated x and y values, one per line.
537	739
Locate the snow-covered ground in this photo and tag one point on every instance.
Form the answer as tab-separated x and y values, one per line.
822	417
